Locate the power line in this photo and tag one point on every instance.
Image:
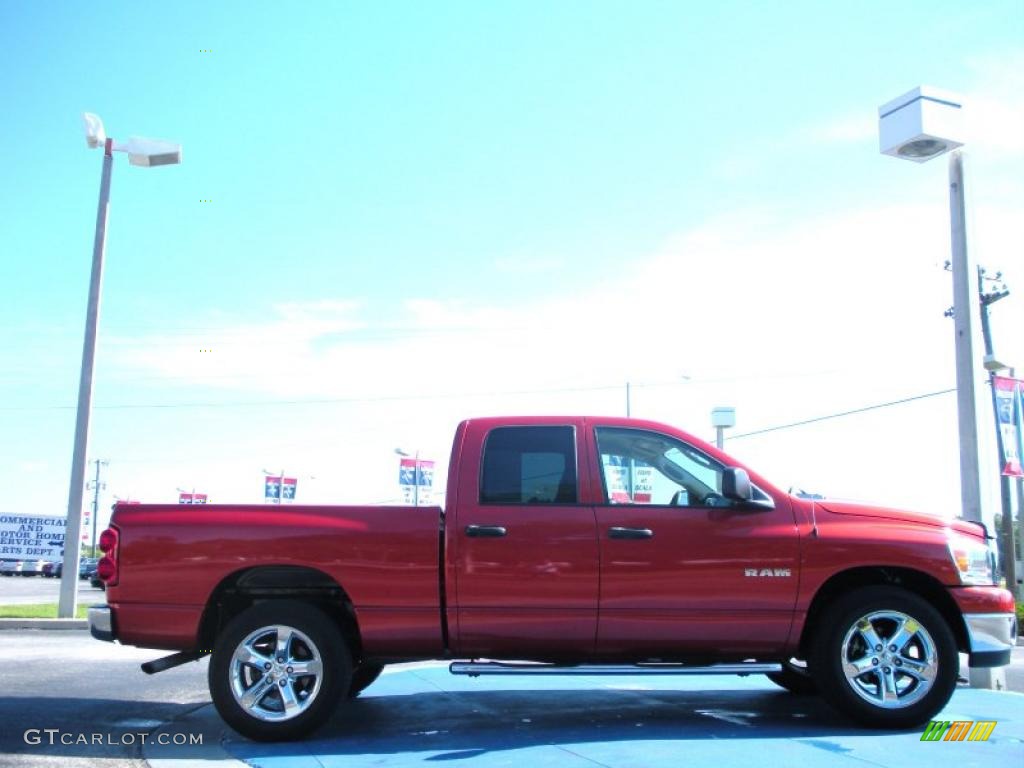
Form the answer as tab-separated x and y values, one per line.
399	398
844	413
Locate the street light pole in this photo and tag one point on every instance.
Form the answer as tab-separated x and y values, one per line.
965	308
918	126
72	533
141	152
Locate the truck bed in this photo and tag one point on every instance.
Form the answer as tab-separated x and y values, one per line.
174	559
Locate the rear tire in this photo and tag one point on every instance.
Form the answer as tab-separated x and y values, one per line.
885	658
363	678
795	678
278	670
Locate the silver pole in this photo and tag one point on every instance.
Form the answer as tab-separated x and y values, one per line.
72	533
965	309
720	438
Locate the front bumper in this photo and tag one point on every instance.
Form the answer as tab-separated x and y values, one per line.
991	637
101	622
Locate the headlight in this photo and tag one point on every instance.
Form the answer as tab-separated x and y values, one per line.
974	561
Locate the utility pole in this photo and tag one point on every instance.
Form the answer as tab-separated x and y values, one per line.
96	486
1006	502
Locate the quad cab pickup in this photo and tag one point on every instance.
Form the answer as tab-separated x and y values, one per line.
596	545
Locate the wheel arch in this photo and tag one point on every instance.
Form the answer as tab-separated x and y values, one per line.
914	581
249	586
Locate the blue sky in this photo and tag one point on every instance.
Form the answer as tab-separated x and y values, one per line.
422	211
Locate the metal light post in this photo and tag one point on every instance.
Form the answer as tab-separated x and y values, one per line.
143	152
918	126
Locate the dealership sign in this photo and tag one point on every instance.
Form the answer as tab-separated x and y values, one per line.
28	536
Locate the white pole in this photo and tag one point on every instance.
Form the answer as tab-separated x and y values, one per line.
965	309
72	533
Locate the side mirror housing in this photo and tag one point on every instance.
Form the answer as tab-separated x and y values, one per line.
736	484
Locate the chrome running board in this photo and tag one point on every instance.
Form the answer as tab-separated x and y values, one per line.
477	668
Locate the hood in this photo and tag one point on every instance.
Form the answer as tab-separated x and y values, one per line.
901	515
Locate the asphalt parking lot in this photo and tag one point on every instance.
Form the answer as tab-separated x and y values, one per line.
22	590
420	713
423	714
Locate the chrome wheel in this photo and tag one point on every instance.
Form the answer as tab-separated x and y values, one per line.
276	673
889	659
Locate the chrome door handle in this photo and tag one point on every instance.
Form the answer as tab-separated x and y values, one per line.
485	531
630	533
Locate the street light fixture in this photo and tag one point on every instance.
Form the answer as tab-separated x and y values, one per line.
919	125
722	419
142	152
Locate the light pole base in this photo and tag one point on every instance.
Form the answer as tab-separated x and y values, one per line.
988	678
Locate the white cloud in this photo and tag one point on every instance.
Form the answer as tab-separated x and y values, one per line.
995	109
784	319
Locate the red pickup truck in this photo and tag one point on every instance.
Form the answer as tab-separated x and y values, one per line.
570	545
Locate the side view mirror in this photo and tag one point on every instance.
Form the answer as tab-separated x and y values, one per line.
736	487
736	484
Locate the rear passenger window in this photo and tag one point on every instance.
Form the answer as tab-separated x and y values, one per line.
529	465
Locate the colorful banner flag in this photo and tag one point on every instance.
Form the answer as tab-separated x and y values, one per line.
1020	419
1008	402
416	479
416	472
274	490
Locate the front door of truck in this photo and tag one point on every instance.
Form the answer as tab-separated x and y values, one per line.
685	571
523	552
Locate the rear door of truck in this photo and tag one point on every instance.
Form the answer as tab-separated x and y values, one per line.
522	548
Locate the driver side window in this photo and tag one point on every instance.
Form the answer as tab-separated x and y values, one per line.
641	467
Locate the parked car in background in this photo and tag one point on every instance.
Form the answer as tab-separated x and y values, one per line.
53	569
33	567
10	567
87	567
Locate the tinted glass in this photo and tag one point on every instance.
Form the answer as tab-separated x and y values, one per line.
641	467
529	465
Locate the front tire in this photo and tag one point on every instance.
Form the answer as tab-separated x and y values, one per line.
885	657
278	670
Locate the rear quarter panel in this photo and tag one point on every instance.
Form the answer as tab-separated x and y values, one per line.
171	559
